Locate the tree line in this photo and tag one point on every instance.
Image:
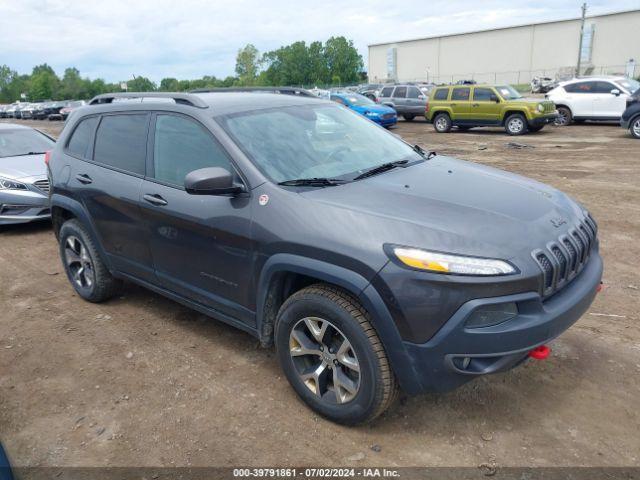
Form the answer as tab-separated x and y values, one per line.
332	63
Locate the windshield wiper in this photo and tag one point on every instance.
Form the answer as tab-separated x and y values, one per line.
312	182
381	168
28	153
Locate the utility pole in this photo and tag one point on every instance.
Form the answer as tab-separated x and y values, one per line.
584	13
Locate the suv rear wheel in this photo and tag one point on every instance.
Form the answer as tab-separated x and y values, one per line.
85	270
332	356
516	124
408	117
442	123
634	128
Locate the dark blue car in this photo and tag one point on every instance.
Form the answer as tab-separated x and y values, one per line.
380	114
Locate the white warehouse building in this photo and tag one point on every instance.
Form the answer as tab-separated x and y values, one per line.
514	54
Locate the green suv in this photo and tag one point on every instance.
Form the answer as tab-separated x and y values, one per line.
466	106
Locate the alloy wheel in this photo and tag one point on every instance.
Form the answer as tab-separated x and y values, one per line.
636	128
516	125
561	119
441	124
324	360
79	262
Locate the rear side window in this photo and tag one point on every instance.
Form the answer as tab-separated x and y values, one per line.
121	142
482	94
80	140
441	94
401	92
386	92
181	146
460	94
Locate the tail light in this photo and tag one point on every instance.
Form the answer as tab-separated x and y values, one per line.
47	157
427	107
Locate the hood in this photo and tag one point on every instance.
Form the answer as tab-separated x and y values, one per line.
379	109
23	166
455	206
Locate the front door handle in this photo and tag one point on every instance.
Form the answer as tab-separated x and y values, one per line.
155	199
84	178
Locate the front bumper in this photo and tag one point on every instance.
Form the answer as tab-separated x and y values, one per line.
23	206
543	119
440	364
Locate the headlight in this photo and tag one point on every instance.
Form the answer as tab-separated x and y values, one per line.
540	108
448	263
6	184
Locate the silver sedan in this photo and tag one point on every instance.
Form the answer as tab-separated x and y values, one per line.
24	187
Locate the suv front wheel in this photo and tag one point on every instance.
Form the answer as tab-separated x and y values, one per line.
84	268
332	356
516	124
442	123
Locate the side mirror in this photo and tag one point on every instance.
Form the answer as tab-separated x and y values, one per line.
211	181
494	98
615	92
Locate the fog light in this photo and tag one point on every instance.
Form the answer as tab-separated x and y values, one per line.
488	315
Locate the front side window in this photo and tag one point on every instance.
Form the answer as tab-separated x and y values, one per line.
482	94
581	87
414	92
181	146
461	94
81	138
313	141
121	142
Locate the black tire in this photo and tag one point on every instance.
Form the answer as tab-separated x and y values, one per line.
74	239
377	387
442	123
537	128
564	117
634	127
516	124
408	117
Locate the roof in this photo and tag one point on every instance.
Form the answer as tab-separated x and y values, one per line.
224	103
429	37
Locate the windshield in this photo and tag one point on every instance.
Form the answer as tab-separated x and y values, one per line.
23	142
359	100
629	84
314	141
508	92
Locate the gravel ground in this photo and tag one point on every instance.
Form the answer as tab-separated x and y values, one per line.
141	380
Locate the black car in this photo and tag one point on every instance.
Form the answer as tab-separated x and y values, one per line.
631	117
371	264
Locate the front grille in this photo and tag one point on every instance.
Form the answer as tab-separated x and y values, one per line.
549	107
387	116
562	259
42	185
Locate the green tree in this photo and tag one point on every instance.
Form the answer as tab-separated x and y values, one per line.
343	60
71	86
169	85
247	64
44	85
141	84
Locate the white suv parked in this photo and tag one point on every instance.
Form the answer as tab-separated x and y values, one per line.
592	98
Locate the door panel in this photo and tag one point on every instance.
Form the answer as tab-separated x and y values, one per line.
482	108
460	104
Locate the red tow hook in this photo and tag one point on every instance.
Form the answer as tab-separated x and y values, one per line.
600	287
540	353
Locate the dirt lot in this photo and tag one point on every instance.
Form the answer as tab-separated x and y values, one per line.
141	380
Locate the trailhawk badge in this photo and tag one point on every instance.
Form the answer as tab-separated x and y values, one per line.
263	199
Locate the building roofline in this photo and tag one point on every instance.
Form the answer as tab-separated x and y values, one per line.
431	37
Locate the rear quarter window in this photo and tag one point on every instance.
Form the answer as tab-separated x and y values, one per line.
121	142
441	94
78	144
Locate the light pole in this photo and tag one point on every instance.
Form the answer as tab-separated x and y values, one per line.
584	13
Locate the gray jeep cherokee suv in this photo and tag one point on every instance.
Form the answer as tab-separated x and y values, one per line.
370	264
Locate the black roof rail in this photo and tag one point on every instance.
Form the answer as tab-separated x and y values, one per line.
283	90
181	98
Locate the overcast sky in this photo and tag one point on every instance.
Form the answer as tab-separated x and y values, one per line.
115	39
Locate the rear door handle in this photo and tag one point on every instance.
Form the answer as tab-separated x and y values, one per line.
84	178
155	199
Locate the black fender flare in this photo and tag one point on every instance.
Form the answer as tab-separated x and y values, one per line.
358	286
78	211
